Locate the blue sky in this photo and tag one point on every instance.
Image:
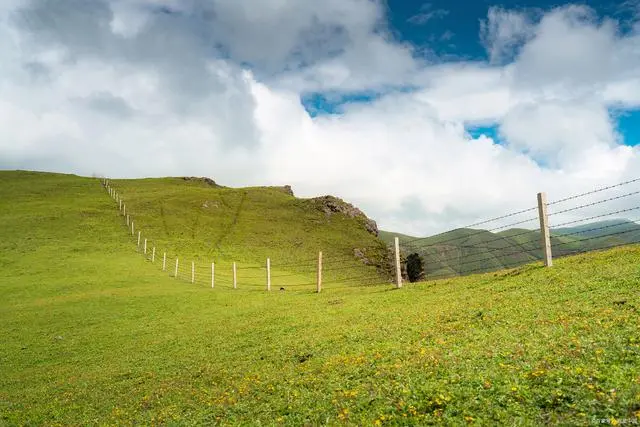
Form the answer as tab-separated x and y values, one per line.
448	31
459	21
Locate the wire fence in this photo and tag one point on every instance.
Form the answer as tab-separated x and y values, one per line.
598	219
338	270
580	223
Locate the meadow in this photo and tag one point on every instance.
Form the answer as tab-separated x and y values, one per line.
95	334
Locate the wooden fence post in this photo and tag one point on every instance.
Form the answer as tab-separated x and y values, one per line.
193	272
138	240
153	254
124	212
145	246
544	229
176	273
319	282
120	204
213	275
132	227
268	275
235	277
164	262
127	221
398	268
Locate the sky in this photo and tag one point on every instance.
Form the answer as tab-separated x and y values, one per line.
426	115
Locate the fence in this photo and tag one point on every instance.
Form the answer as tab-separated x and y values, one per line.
564	227
562	230
312	274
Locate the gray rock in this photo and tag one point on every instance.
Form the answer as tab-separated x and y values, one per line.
287	189
330	205
205	180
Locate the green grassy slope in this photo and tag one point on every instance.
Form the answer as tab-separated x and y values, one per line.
465	251
92	334
195	221
199	220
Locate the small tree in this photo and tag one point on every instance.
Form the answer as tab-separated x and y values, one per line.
415	267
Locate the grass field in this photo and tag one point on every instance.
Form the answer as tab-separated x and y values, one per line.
94	334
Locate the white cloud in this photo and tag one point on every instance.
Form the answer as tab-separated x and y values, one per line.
504	32
139	88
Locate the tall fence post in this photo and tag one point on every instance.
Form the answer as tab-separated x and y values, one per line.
153	254
124	212
544	229
235	277
138	240
127	220
268	274
132	227
398	269
145	246
176	273
213	275
193	272
319	282
120	204
164	262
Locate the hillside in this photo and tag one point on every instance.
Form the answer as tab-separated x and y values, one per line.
94	334
195	219
466	251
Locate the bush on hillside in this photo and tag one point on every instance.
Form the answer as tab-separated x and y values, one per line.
415	268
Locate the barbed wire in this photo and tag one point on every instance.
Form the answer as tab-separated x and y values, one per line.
589	250
595	217
483	269
468	235
493	258
490	249
474	224
596	237
577	196
594	203
599	228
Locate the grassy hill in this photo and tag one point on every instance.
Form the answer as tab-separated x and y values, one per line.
466	251
94	334
196	220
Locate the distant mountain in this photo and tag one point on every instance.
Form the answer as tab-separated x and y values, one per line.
465	251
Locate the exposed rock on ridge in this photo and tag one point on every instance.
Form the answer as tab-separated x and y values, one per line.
330	205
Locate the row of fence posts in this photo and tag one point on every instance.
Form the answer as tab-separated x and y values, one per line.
542	213
130	226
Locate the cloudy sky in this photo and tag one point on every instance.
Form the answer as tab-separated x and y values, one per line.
426	115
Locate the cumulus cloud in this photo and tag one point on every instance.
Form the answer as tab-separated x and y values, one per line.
504	31
132	88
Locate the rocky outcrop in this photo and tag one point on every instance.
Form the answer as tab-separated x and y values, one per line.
330	205
287	189
205	180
